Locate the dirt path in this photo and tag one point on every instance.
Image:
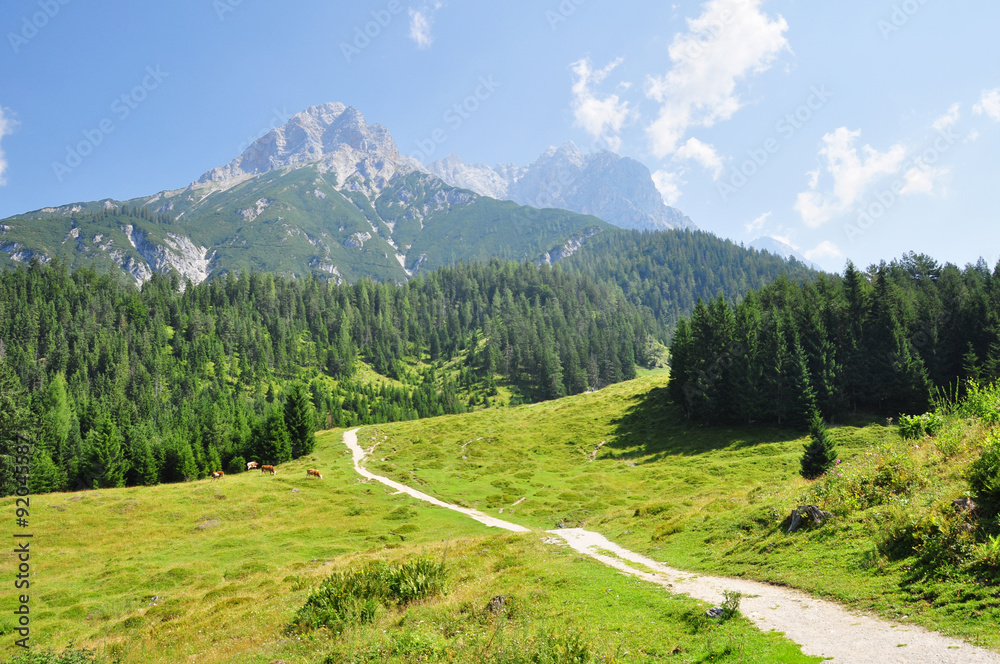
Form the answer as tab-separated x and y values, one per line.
821	628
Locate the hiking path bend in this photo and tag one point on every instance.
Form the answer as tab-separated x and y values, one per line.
820	627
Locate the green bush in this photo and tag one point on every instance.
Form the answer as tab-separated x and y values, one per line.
981	402
984	476
912	427
356	596
69	656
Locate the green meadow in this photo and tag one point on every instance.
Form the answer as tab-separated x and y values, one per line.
215	571
623	462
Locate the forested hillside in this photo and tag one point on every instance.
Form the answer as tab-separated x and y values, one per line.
116	385
669	272
880	340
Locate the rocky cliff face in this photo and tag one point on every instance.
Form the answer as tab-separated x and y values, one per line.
616	189
337	138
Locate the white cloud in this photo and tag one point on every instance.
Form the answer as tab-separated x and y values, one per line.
989	104
853	173
6	127
947	120
973	136
669	185
731	40
421	21
702	153
602	118
921	179
757	225
825	249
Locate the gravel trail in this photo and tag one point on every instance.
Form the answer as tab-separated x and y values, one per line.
821	628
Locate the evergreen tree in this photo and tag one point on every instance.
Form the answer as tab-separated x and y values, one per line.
300	420
106	460
274	443
820	453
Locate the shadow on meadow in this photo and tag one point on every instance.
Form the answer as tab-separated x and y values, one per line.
656	428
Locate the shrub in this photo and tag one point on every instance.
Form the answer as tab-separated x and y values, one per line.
731	605
984	476
356	596
981	402
917	426
69	656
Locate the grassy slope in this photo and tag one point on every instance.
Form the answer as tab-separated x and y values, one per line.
230	561
707	499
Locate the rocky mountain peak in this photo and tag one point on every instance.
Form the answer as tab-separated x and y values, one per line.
336	137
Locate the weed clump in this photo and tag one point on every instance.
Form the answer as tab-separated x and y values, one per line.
356	596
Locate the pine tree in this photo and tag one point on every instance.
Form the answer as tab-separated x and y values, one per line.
275	445
820	454
300	420
106	460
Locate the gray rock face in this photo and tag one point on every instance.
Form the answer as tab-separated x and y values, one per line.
363	157
617	189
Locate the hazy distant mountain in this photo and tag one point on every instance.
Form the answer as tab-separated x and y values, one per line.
616	189
326	193
779	248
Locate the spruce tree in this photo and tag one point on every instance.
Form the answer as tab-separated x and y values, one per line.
300	420
820	454
107	464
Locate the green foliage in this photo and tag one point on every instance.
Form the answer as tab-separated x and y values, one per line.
981	401
300	421
106	460
356	596
820	454
731	604
984	476
881	340
68	656
912	427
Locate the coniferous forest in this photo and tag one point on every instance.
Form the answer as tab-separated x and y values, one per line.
116	386
884	340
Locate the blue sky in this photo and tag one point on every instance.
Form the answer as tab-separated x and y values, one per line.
860	129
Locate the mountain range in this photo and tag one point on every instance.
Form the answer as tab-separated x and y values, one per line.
617	189
329	193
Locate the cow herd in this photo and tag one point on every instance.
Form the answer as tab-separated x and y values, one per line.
253	465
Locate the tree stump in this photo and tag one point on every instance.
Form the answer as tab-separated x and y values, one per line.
816	514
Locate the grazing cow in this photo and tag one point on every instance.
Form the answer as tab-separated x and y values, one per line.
268	469
313	472
251	465
218	475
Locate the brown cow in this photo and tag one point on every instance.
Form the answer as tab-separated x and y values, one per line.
268	469
252	465
313	472
218	475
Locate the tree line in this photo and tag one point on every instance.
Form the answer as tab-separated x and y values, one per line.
882	340
119	386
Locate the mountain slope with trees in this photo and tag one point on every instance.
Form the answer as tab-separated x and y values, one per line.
880	340
116	385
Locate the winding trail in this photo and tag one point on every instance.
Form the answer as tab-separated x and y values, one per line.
821	628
